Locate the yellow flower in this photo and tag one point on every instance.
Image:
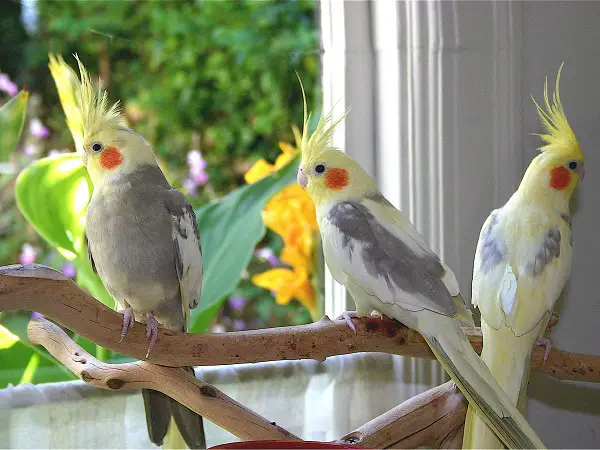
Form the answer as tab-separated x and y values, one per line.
291	214
286	284
260	169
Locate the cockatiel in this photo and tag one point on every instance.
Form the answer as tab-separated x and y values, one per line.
373	250
143	238
523	260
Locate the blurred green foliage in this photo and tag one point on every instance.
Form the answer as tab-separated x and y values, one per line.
216	76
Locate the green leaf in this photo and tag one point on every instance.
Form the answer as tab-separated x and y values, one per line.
24	362
230	229
12	118
52	193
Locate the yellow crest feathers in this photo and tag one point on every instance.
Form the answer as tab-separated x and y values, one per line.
87	109
96	111
558	136
68	86
311	144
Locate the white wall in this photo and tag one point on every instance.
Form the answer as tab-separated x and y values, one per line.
568	414
441	115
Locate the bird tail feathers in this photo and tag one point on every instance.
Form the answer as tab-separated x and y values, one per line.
509	359
474	379
171	424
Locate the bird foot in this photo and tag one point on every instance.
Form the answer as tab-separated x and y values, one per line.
349	315
128	321
544	342
151	332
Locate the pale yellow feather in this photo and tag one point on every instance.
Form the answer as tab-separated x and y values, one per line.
516	303
69	88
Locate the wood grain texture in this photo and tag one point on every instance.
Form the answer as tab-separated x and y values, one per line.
51	293
433	419
201	397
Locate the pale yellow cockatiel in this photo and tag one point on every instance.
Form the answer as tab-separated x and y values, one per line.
372	248
523	260
143	238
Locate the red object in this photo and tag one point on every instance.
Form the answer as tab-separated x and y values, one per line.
336	179
560	177
111	157
280	445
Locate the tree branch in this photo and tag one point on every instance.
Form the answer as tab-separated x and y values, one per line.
201	397
432	419
49	292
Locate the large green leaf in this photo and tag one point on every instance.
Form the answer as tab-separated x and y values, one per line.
53	193
12	117
230	229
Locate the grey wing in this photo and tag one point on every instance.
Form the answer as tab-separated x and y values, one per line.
188	253
385	262
90	257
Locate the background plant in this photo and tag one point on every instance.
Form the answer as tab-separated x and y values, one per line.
210	84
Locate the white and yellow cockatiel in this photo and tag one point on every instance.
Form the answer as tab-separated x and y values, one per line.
376	253
523	260
142	234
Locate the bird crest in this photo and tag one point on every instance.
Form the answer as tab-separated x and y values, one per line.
315	143
87	108
558	136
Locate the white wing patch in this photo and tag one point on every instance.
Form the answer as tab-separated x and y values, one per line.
508	290
189	256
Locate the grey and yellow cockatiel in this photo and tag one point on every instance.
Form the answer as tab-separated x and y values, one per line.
523	261
143	238
373	250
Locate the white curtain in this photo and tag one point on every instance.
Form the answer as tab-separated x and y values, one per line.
314	400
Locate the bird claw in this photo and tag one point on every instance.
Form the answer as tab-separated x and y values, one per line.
545	342
128	321
151	332
348	318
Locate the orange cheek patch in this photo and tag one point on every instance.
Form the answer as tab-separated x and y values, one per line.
560	177
336	179
110	158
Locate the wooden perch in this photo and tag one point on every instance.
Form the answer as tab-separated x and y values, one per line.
175	382
53	294
433	419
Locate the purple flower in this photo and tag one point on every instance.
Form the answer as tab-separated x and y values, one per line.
31	149
237	303
7	85
197	166
28	254
199	176
36	315
239	325
194	159
38	129
69	270
267	254
190	186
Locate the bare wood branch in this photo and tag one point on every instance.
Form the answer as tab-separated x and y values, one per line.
174	382
49	292
432	419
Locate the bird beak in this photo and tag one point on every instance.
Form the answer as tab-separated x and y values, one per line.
302	178
582	173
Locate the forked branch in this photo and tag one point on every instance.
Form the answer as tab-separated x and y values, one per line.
49	292
175	382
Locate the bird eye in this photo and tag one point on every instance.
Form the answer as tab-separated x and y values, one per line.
319	168
572	165
97	147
